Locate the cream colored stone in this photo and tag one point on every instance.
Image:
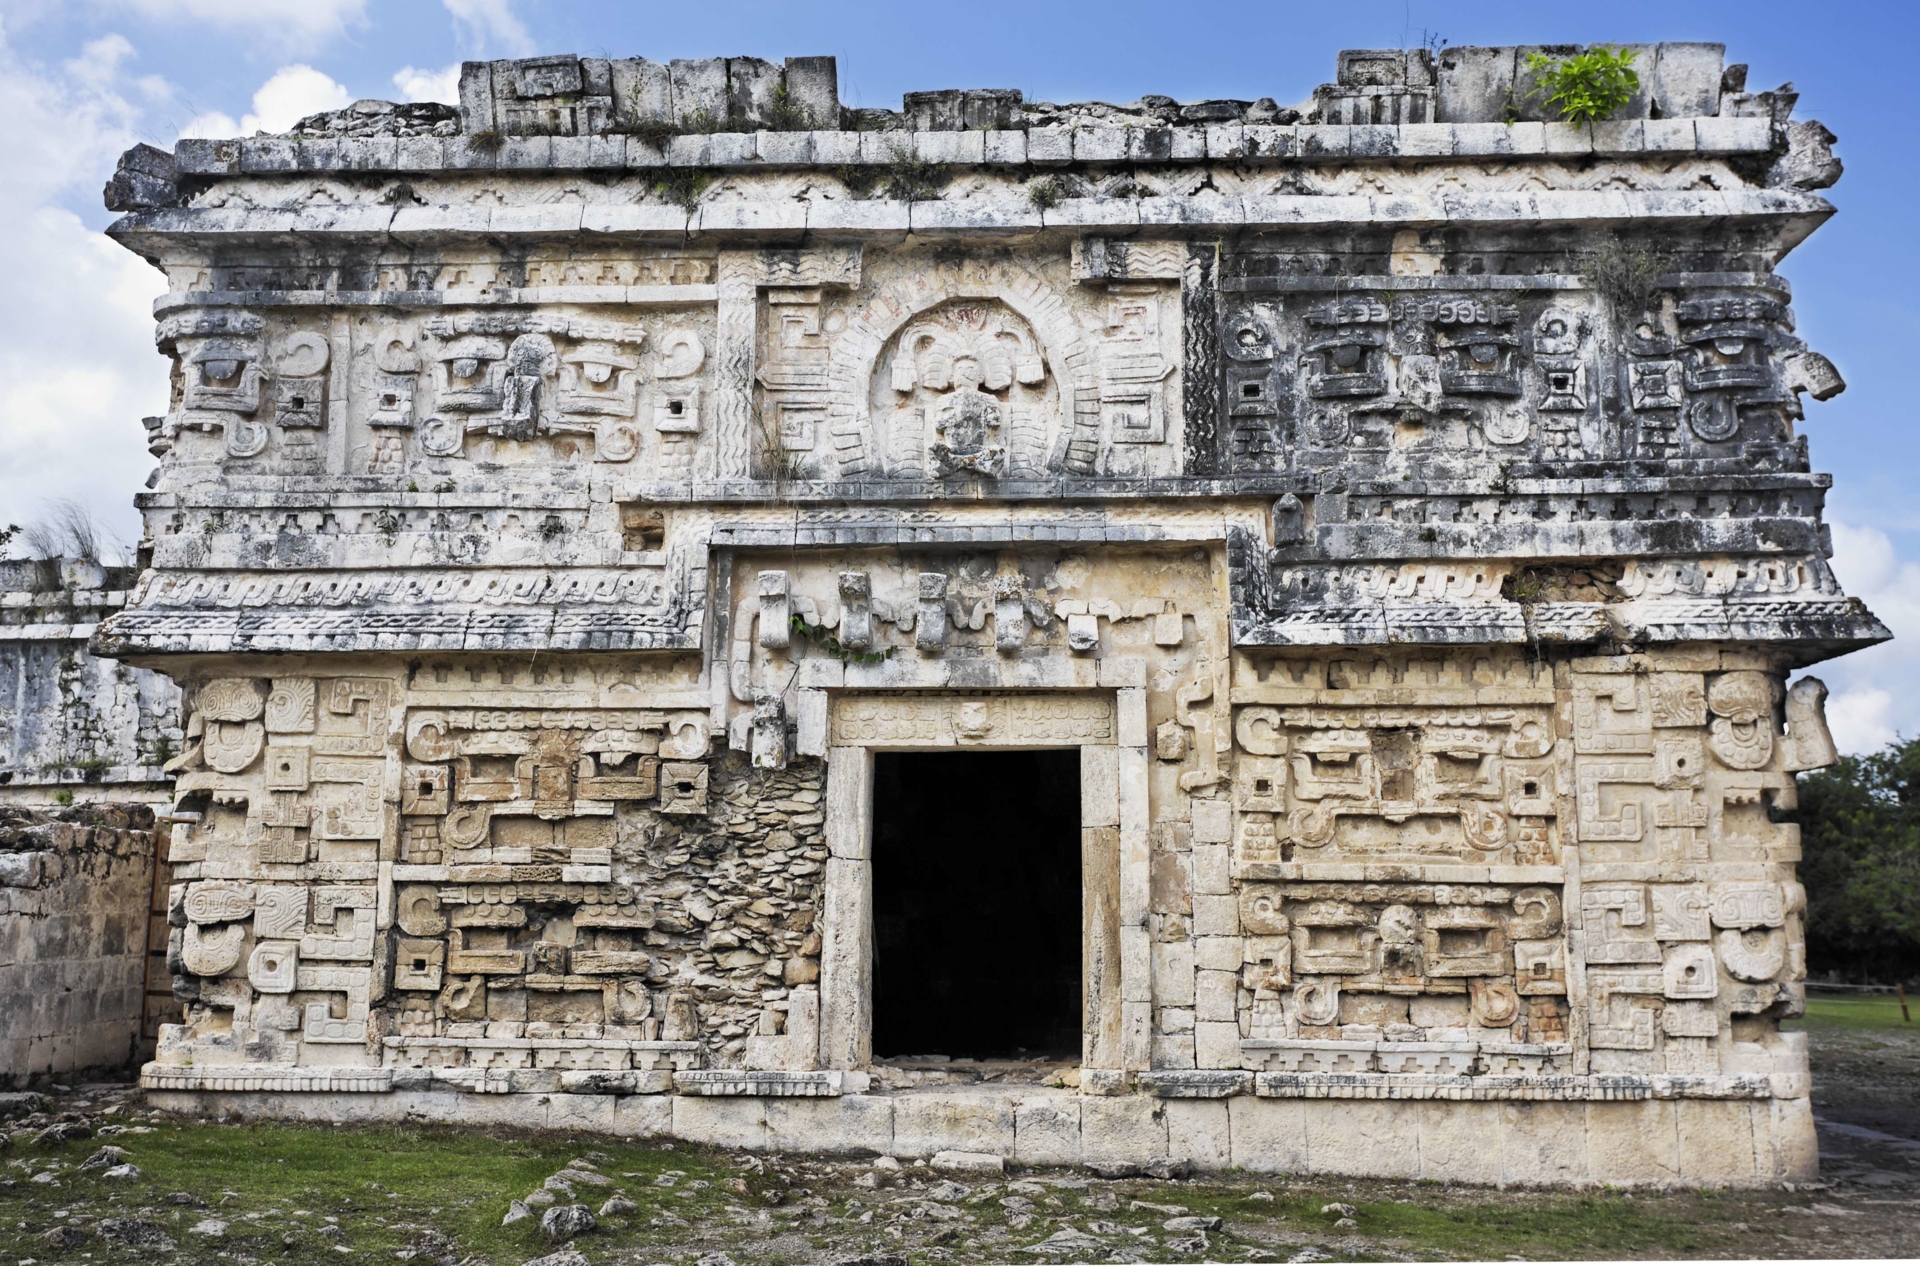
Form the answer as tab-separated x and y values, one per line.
1268	1135
952	1119
858	1125
1046	1127
1121	1128
1200	1130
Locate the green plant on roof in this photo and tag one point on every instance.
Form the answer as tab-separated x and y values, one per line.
1586	87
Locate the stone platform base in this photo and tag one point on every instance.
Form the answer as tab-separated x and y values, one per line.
1691	1142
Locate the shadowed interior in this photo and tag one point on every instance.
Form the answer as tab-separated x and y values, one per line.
976	905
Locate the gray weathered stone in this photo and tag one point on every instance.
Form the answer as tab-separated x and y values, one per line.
544	560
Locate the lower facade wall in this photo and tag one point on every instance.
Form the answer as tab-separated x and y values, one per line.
75	890
1690	1142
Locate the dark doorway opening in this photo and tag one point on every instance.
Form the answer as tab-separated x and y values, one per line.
976	905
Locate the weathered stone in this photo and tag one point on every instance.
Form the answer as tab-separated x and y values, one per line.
544	561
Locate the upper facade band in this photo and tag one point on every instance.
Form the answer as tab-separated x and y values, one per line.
1433	368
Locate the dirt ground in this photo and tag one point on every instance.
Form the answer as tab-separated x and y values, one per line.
201	1192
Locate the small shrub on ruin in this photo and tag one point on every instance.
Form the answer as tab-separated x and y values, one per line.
1586	87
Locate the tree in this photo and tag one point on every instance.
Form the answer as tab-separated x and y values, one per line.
1860	839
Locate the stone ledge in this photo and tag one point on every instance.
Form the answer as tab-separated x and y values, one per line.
794	220
1044	146
738	1083
259	1077
1594	1088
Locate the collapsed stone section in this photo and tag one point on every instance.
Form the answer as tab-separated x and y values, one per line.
1401	516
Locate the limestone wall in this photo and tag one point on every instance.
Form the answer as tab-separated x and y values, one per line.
1398	500
71	724
75	890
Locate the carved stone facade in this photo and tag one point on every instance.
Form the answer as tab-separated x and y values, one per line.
545	563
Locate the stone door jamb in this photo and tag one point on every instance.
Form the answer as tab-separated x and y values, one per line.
1116	956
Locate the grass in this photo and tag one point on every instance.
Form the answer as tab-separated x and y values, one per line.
1869	1011
276	1185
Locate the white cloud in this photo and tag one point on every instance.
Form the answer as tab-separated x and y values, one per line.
1861	720
77	365
281	23
491	24
293	93
1876	692
429	85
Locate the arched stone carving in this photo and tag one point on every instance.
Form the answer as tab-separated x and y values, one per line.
860	371
963	390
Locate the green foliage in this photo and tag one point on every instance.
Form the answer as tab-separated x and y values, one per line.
858	180
1045	194
703	122
1860	843
1586	87
1625	275
683	186
656	133
831	644
911	179
788	115
1870	1013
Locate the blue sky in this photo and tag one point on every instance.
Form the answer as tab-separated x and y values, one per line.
82	79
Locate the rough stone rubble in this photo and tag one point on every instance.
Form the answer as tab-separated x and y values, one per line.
1397	499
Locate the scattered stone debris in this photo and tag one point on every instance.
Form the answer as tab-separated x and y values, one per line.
563	1222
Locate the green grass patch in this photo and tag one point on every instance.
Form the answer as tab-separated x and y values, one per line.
277	1186
1868	1011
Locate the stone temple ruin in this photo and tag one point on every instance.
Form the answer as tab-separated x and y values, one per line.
1192	632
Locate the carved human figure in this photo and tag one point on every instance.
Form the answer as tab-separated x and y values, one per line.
968	422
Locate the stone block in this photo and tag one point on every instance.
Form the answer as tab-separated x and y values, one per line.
1173	978
1200	1130
1785	1142
643	1116
1216	1043
942	1119
1347	1136
813	89
1455	1137
1633	1142
1716	1142
718	1122
1212	821
1046	1127
1473	84
1050	146
1683	81
1268	1136
1121	1129
849	1125
1215	915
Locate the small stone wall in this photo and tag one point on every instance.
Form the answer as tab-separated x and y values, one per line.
73	727
75	890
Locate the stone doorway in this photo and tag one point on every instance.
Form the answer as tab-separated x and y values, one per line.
977	907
